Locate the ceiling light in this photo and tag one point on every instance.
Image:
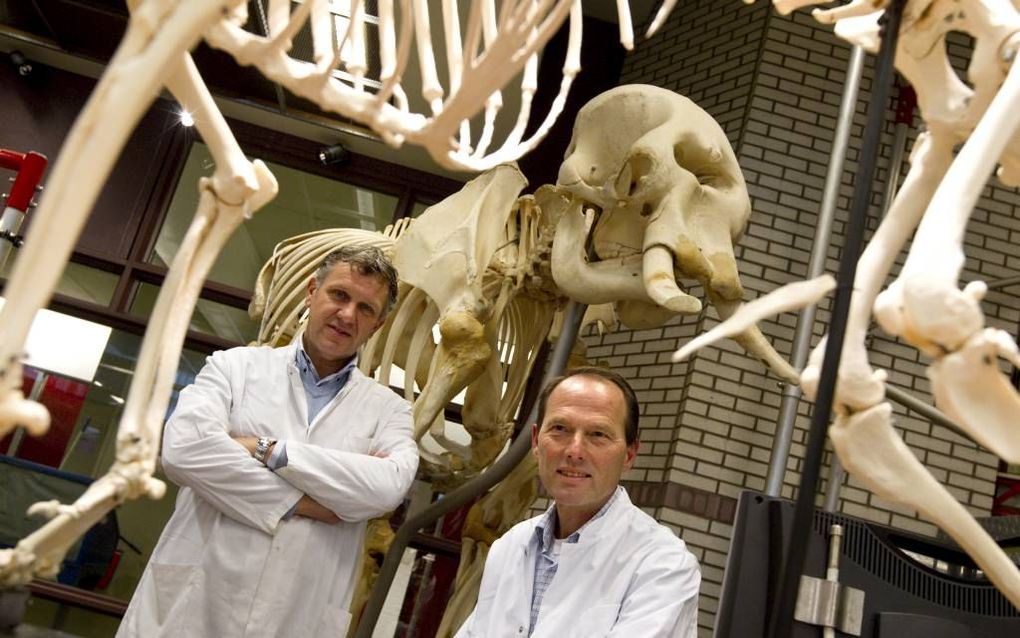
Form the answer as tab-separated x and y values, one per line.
187	119
335	154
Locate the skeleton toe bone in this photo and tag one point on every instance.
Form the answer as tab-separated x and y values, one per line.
51	509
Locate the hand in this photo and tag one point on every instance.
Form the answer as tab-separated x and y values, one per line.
247	442
311	508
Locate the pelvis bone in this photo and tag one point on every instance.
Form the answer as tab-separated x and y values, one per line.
659	179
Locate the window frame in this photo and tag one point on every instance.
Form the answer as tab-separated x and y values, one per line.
409	186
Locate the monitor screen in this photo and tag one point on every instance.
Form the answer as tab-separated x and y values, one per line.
913	585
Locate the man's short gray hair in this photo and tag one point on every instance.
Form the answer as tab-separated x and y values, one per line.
367	260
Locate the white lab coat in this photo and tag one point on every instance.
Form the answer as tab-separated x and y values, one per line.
226	565
627	577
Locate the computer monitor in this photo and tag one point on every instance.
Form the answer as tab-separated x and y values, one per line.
902	595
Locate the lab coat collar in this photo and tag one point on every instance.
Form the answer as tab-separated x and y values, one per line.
587	534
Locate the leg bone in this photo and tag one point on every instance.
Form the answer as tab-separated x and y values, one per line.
871	449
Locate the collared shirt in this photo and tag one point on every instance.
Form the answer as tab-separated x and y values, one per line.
318	393
548	559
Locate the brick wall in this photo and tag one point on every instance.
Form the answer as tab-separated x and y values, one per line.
775	84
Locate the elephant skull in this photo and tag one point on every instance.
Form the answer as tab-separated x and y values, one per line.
670	202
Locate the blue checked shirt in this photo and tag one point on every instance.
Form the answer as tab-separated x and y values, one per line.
547	561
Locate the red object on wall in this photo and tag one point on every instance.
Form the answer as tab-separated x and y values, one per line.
1007	497
64	398
30	167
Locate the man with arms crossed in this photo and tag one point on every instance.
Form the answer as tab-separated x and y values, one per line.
282	454
593	564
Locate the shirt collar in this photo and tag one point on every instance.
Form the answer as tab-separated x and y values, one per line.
307	368
545	530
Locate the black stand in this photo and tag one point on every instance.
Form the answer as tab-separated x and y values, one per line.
784	600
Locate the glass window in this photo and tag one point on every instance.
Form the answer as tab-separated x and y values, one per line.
210	317
89	414
78	281
305	203
418	208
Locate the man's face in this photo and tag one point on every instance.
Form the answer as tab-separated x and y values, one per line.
581	444
343	313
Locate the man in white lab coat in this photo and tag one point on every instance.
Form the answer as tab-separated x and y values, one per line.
282	454
593	564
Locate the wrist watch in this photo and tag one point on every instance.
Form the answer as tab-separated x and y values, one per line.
261	447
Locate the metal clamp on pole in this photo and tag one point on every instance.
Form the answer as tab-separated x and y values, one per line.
827	602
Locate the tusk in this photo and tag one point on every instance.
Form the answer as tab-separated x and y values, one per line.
660	284
790	297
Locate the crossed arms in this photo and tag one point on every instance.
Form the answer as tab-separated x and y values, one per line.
318	482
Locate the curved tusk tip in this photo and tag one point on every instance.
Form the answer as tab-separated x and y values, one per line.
683	304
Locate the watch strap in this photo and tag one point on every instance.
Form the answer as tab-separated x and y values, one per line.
261	447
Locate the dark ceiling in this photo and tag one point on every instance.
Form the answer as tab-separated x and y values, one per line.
92	29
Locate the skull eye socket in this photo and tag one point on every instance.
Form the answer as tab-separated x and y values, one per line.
633	173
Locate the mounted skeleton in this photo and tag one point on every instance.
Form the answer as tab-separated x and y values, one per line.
923	305
482	58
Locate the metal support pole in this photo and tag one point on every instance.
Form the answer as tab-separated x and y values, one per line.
835	483
906	105
816	266
1003	283
466	493
781	617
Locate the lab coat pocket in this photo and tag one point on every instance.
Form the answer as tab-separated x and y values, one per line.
335	620
172	584
597	620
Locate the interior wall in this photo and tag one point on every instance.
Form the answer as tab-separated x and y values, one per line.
775	84
39	110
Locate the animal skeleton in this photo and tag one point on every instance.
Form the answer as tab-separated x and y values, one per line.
923	304
469	270
481	59
481	265
478	260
